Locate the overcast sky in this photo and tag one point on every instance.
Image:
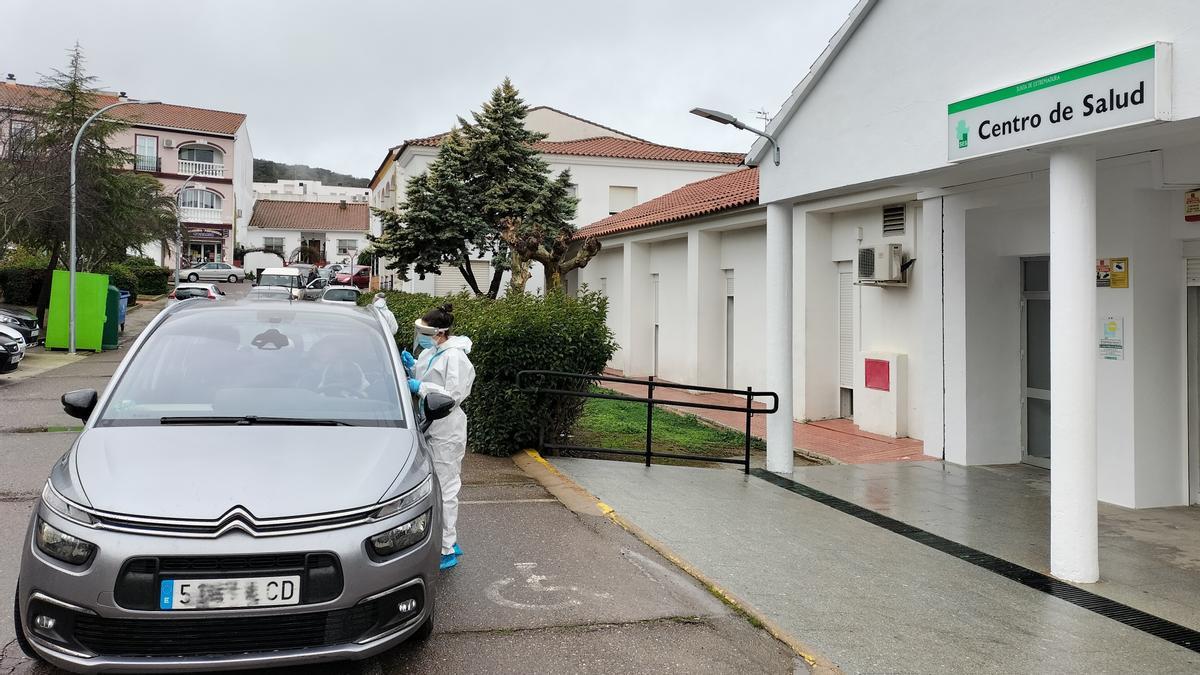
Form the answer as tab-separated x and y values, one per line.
335	83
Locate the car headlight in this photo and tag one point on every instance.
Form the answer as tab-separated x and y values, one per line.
64	508
62	546
399	538
4	318
406	501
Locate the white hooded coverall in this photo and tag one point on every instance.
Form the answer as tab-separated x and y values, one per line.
447	370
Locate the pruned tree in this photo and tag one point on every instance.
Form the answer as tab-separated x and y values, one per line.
545	235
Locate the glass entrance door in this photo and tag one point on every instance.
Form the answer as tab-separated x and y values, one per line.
1035	357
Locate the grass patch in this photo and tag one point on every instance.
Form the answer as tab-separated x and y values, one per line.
622	425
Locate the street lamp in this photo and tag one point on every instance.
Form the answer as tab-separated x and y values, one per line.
726	118
179	228
75	151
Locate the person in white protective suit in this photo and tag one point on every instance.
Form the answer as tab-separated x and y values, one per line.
389	318
443	367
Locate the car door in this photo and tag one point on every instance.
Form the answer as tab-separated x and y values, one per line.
210	272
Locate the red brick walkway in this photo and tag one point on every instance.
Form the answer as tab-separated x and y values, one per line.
836	441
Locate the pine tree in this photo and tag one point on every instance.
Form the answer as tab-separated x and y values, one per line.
488	191
117	209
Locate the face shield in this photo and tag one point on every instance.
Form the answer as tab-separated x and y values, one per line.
424	335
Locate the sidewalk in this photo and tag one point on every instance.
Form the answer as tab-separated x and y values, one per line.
866	598
831	441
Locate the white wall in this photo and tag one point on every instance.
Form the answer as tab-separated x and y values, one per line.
1141	420
668	259
743	252
607	266
880	109
243	184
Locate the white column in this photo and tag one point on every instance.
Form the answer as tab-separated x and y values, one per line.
639	311
1074	552
704	350
778	335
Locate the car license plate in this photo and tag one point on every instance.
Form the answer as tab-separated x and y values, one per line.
229	593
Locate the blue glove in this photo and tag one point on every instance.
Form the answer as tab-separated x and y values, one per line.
407	359
414	385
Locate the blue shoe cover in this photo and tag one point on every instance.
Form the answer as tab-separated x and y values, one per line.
448	560
457	550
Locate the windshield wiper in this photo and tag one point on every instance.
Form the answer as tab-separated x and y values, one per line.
255	419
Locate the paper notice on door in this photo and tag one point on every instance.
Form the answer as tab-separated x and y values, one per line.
1112	338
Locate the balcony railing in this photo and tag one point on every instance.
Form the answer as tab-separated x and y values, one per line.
187	167
147	163
193	214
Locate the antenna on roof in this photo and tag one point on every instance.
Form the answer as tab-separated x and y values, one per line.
763	115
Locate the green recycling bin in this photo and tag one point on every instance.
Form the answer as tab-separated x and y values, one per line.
89	311
112	319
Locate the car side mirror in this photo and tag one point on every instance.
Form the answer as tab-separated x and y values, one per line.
79	403
437	405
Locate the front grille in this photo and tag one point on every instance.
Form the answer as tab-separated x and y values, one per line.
138	584
234	635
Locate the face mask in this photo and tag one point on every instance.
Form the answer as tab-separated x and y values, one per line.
425	342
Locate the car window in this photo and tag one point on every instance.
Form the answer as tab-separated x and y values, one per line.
185	293
276	362
211	266
225	266
341	295
288	280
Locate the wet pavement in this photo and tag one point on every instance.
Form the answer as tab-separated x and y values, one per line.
867	599
540	589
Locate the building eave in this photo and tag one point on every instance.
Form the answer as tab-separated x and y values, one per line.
792	105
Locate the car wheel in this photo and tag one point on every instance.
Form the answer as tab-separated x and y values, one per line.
193	277
233	278
22	641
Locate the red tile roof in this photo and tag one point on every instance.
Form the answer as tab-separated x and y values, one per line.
25	97
277	214
611	146
719	193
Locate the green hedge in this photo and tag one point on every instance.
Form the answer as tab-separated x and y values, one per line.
152	280
121	276
21	285
514	333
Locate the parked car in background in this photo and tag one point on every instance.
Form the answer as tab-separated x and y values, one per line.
340	295
216	271
307	272
22	321
187	291
12	350
283	277
301	522
315	288
361	277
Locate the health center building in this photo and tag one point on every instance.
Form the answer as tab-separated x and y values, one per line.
982	232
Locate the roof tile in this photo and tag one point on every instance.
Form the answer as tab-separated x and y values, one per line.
611	146
273	214
24	96
719	193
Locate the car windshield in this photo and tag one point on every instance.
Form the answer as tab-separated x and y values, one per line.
341	295
184	293
287	280
259	362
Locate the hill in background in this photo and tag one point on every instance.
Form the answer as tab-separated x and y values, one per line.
266	171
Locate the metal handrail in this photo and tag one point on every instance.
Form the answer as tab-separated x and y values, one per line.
651	384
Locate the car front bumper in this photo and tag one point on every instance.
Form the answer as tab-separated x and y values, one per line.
92	632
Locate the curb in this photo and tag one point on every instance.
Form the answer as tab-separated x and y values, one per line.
582	501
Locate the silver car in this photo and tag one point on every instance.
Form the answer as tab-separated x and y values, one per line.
215	271
273	503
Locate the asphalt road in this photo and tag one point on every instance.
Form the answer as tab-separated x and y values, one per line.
540	589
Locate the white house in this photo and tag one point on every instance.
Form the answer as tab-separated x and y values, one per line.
311	232
310	191
981	233
612	171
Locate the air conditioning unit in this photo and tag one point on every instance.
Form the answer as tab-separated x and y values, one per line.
881	263
168	143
